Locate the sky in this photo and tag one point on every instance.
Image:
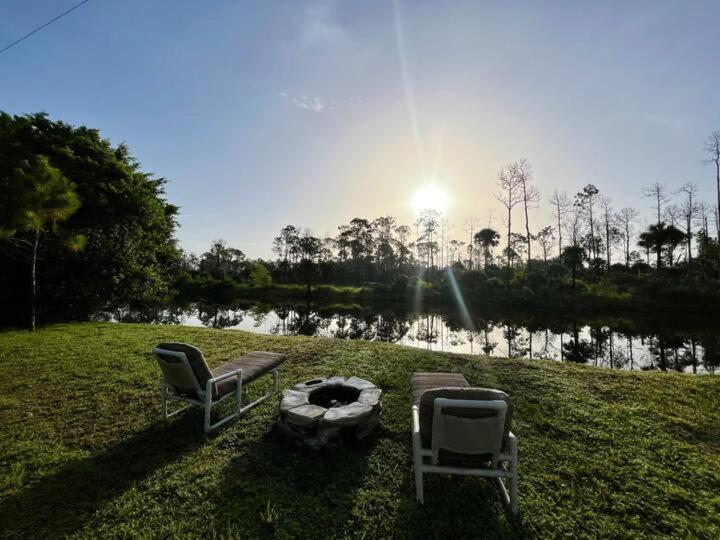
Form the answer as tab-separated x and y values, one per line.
268	113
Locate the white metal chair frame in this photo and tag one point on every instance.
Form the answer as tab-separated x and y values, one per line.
504	460
169	393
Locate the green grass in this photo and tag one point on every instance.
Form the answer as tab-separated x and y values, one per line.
84	453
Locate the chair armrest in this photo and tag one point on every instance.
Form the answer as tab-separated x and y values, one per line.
416	438
235	373
512	445
208	386
416	419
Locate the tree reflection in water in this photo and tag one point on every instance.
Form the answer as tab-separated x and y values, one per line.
613	343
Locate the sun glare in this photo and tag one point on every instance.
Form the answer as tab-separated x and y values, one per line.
430	197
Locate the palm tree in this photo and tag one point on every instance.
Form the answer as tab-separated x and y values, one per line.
44	198
487	238
661	236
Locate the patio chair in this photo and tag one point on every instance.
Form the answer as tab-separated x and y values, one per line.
187	378
458	429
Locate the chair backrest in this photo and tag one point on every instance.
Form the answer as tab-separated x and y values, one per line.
468	426
427	408
184	367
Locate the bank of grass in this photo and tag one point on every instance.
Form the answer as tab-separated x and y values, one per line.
83	452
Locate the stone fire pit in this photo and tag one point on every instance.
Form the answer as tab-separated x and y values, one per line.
325	412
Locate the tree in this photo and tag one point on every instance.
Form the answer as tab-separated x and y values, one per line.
222	262
310	248
445	228
546	238
516	248
585	201
130	254
530	195
471	226
661	237
561	206
509	195
688	212
357	237
385	255
658	193
284	245
428	222
573	256
712	147
487	238
626	218
260	276
402	235
612	234
44	199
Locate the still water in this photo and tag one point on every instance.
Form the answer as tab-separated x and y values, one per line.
613	343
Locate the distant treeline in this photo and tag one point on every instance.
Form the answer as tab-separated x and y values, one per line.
591	256
588	246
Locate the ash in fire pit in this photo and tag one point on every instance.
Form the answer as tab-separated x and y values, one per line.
324	412
329	396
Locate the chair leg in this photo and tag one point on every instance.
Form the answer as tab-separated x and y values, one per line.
417	465
275	380
238	397
208	410
514	488
163	402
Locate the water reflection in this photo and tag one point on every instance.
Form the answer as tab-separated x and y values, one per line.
613	343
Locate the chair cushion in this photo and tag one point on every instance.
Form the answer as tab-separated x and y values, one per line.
253	365
197	364
424	395
420	382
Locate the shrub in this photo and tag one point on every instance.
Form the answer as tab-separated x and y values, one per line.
260	276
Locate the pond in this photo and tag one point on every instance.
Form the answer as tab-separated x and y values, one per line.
611	342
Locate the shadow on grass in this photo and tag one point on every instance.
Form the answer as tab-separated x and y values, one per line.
275	485
460	506
272	488
62	502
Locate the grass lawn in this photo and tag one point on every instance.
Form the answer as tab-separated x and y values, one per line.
83	451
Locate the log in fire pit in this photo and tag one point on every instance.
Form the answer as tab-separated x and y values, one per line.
326	412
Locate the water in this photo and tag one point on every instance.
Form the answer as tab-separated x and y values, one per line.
614	343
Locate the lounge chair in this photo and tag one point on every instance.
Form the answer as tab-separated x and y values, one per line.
458	429
187	378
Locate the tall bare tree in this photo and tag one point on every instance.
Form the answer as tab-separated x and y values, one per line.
471	226
658	193
626	220
712	147
509	194
561	206
611	231
574	226
689	211
530	195
585	201
445	228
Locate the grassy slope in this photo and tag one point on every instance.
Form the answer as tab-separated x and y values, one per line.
82	449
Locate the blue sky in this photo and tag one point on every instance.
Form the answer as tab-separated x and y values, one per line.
266	113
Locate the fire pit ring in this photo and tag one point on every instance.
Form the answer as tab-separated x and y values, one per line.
325	412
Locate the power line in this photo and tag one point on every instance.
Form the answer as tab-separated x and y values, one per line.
44	26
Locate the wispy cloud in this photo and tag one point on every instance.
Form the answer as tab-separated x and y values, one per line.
315	103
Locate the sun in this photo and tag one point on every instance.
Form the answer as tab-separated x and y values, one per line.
430	197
